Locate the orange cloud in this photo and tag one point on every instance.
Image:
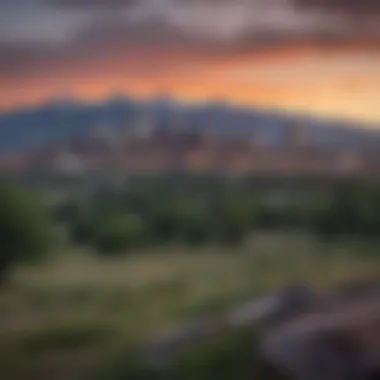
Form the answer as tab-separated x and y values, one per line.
335	82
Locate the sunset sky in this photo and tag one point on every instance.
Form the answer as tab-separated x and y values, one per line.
316	56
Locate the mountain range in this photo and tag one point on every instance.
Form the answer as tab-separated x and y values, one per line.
28	129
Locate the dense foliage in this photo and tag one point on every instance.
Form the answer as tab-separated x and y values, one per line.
155	214
197	213
25	228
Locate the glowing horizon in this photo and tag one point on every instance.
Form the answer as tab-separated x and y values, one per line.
338	83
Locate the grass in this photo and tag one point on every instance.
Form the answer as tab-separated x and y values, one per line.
77	311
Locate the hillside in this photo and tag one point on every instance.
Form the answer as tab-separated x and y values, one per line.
25	130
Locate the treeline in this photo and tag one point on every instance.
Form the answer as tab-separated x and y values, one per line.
351	211
26	228
154	214
113	222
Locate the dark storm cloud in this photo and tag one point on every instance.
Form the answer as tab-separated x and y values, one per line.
62	21
352	6
39	33
92	4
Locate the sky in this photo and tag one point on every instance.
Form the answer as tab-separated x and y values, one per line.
316	56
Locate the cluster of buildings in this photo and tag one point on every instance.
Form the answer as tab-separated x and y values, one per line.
141	148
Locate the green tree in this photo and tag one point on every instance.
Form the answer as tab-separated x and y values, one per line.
233	219
26	231
268	217
369	211
81	220
165	219
341	215
196	229
119	233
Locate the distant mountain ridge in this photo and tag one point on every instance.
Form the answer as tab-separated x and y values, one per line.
29	129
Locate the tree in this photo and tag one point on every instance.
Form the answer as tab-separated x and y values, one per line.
369	212
268	217
343	215
233	220
165	219
196	229
119	233
25	228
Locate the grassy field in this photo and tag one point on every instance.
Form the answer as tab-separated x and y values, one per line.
75	315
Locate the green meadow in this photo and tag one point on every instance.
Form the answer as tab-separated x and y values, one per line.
80	316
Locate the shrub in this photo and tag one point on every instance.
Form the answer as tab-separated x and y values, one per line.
26	231
119	233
